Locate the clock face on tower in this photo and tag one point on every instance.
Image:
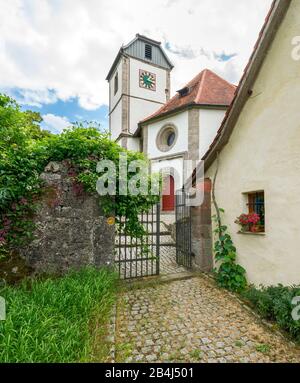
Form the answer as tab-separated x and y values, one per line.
147	80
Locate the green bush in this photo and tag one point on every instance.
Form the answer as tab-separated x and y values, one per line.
231	276
22	158
51	320
25	150
275	303
84	148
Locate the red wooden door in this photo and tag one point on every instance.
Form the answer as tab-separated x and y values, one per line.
168	197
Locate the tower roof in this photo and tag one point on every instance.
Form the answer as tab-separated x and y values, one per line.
207	88
135	49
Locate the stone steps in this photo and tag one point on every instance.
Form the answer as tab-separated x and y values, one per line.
133	245
162	233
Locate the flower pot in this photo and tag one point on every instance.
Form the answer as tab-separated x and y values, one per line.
245	228
254	228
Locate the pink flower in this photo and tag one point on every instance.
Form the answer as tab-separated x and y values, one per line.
23	201
72	173
246	219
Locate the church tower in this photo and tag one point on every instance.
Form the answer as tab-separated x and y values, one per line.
139	84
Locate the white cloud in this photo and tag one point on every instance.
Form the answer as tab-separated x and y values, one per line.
68	46
55	124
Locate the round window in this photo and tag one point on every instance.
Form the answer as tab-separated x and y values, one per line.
171	139
166	137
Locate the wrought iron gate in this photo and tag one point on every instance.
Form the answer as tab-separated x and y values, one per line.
139	257
183	230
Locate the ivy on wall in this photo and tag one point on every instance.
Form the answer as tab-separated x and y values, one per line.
25	150
229	274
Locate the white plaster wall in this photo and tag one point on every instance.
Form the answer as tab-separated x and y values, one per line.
139	110
161	81
133	144
181	122
210	121
116	121
115	98
164	165
264	154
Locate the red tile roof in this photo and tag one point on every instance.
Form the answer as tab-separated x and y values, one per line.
207	88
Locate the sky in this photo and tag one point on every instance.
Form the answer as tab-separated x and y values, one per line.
55	54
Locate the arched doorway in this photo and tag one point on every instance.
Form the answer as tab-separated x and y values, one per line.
168	194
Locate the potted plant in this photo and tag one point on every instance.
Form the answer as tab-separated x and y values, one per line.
249	222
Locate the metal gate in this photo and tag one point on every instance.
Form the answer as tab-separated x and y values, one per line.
183	230
138	257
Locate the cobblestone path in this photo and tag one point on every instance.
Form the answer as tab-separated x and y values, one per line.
193	321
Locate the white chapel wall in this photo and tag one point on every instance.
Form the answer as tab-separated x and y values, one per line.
180	120
114	98
263	153
116	121
161	81
175	164
210	121
133	143
139	110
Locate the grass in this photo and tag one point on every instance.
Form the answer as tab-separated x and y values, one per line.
263	348
196	354
54	320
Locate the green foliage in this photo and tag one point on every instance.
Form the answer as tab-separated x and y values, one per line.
275	303
54	320
84	148
20	164
229	274
196	354
25	150
263	348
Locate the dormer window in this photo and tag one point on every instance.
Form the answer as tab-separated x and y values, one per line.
116	83
183	92
148	51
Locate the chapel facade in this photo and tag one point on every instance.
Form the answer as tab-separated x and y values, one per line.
170	131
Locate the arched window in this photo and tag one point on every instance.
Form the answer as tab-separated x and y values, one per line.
116	83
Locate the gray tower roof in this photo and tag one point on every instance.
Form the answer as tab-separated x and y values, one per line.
136	49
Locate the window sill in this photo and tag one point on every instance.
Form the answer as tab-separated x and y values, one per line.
261	234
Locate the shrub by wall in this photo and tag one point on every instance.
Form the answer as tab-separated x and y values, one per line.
275	303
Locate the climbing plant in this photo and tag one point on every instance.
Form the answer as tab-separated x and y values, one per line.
20	164
25	150
84	148
229	274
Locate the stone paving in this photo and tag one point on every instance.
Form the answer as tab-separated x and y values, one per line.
142	268
136	264
168	263
193	321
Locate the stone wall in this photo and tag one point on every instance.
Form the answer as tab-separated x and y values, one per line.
71	230
202	231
